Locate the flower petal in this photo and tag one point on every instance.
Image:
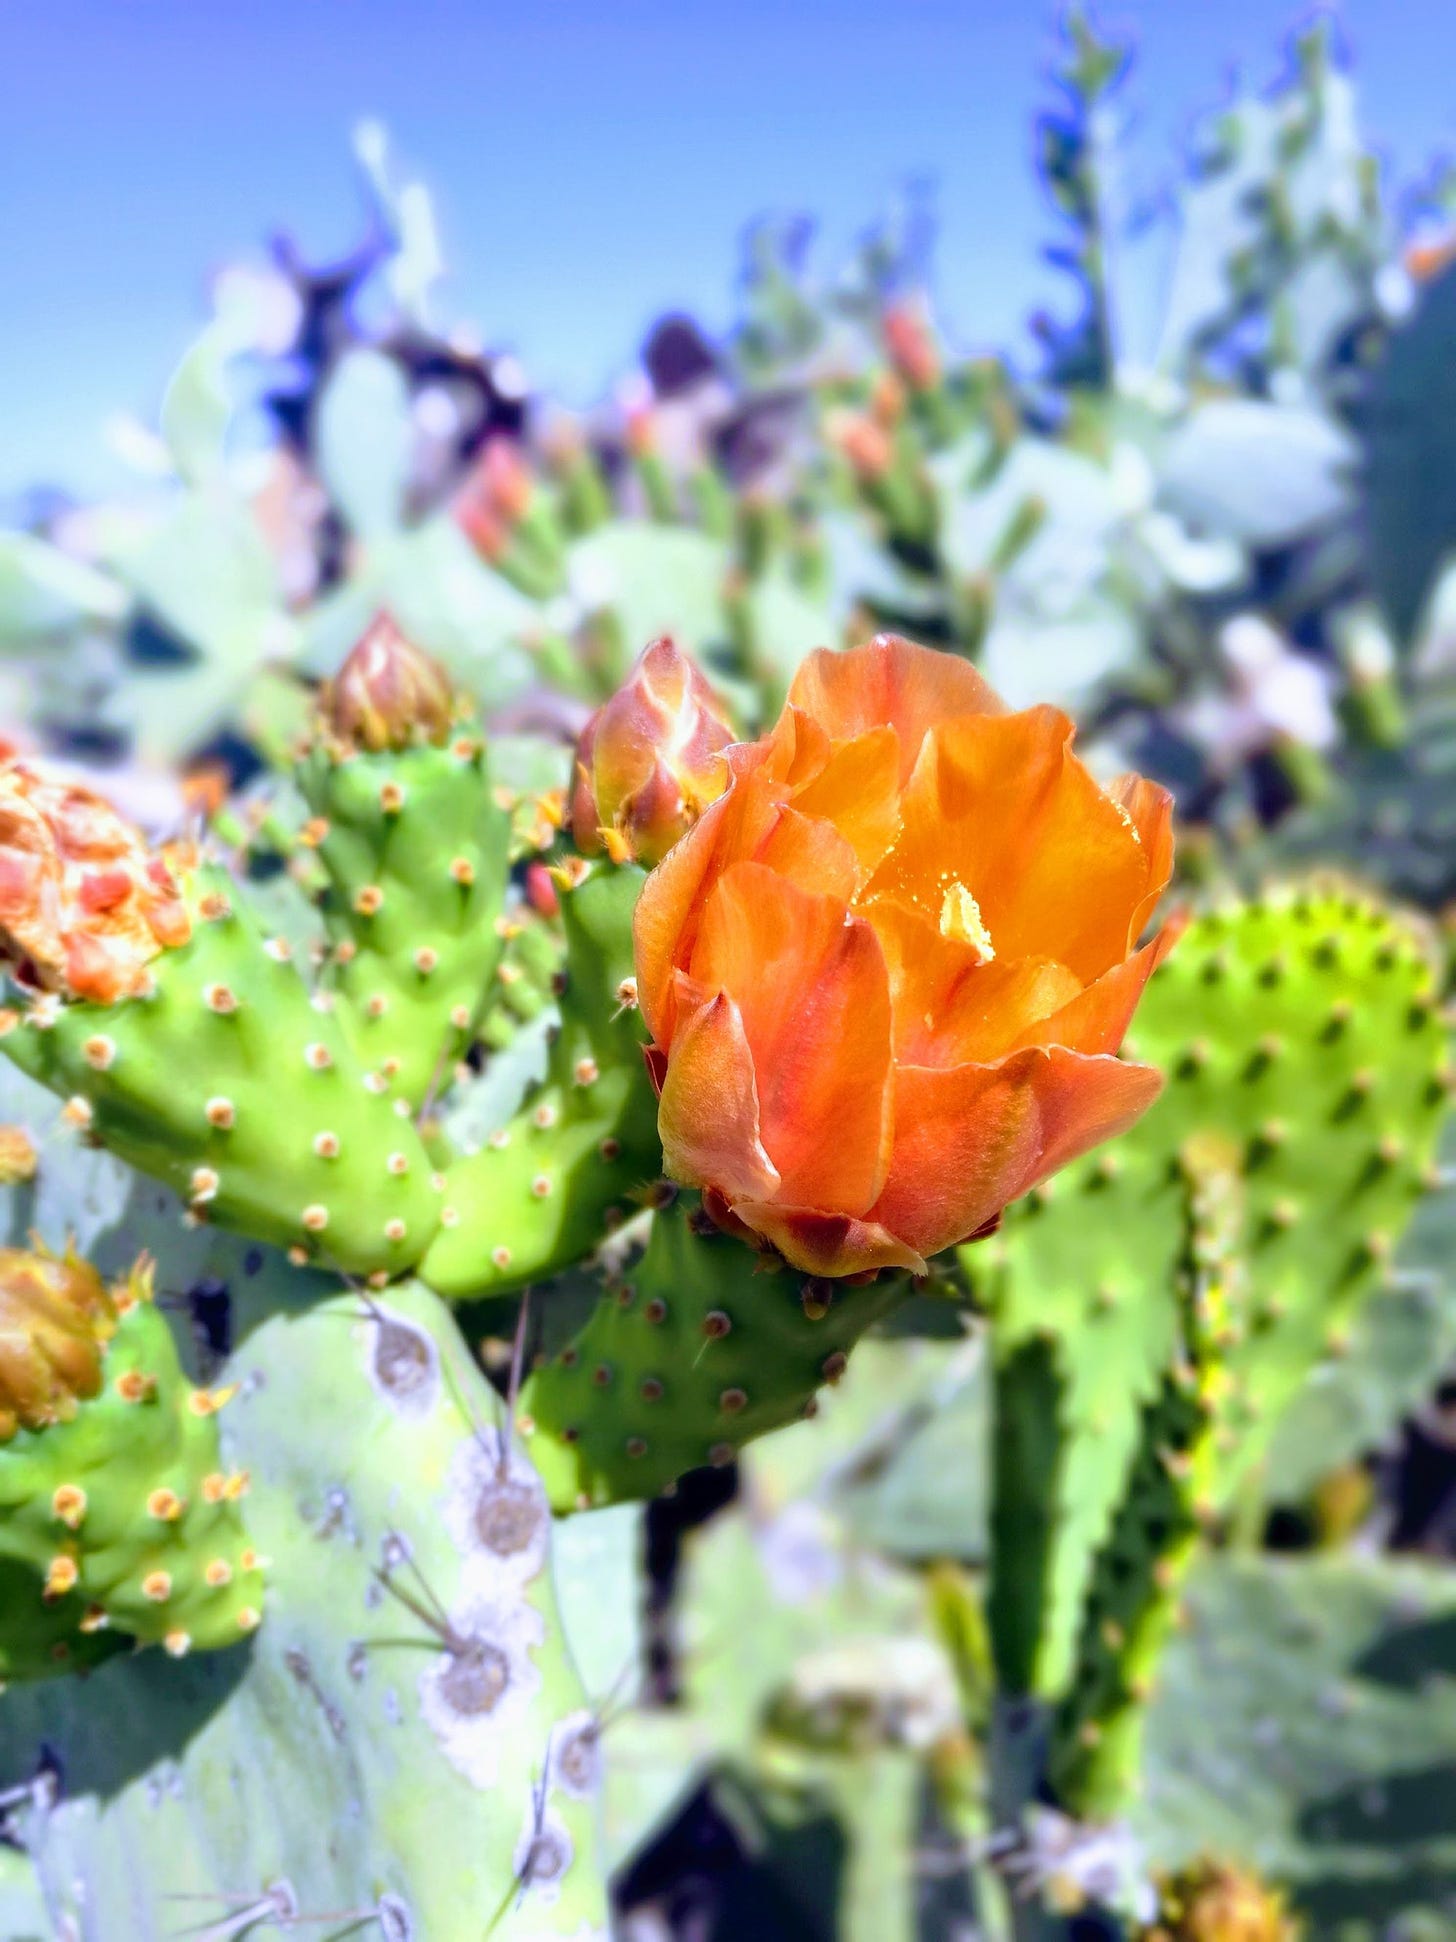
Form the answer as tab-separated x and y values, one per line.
665	921
708	1116
827	1244
889	681
1096	1020
1000	805
811	985
970	1140
1151	810
951	1007
858	790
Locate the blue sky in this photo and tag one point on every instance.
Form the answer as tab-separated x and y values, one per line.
593	163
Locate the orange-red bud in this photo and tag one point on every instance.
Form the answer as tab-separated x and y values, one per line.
651	760
389	693
496	497
84	904
912	348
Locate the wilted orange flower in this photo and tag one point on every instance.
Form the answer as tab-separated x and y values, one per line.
389	693
650	760
887	972
84	905
1217	1901
55	1318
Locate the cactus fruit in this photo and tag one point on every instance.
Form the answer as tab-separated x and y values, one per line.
414	847
230	1082
1303	1044
698	1348
119	1521
541	1192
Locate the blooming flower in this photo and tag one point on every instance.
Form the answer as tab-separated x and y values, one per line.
84	904
887	971
650	760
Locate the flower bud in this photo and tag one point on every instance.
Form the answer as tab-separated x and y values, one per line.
84	904
651	760
389	693
19	1160
912	348
495	498
55	1320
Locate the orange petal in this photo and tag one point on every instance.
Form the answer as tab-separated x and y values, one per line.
1151	810
858	790
665	921
971	1140
1000	805
950	1006
827	1244
889	681
1096	1020
811	985
811	854
708	1116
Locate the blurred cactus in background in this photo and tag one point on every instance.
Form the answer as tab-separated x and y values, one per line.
582	1248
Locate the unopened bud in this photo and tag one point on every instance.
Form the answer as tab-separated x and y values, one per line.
389	693
651	760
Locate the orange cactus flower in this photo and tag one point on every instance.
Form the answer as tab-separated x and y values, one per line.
650	760
887	972
84	904
389	693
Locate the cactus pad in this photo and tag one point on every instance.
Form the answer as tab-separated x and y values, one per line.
119	1520
539	1193
233	1085
414	846
1300	1034
698	1349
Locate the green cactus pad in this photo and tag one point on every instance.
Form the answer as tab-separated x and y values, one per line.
405	1752
527	975
539	1194
416	854
699	1349
1132	1602
1299	1034
241	1091
121	1523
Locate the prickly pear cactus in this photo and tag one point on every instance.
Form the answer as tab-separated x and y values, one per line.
1304	1727
692	1351
414	846
1307	1064
233	1083
1133	1598
404	1738
118	1521
541	1191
